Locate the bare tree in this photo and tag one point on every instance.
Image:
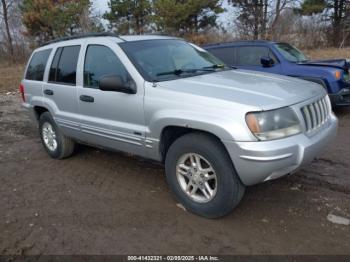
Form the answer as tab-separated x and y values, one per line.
278	7
258	18
6	4
251	17
85	21
339	19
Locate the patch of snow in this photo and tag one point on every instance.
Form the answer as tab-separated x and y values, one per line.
181	206
338	220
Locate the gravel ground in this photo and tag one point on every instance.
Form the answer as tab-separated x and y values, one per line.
100	202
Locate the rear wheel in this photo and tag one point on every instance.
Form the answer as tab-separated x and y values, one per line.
57	145
201	175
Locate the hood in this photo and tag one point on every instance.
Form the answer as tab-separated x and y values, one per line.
256	89
335	63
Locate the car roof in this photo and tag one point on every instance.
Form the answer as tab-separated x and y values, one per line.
145	37
74	40
238	43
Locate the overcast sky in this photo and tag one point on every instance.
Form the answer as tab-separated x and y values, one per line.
100	6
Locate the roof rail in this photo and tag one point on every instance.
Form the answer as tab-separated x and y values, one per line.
238	42
80	36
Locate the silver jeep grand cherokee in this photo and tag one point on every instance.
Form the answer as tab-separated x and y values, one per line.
215	128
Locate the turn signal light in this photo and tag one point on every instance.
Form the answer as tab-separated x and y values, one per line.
337	74
252	123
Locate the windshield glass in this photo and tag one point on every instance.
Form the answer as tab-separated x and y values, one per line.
162	60
291	53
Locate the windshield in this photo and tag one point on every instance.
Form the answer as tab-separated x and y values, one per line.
291	53
162	60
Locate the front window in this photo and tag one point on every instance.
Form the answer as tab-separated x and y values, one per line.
162	60
291	53
251	55
101	61
224	53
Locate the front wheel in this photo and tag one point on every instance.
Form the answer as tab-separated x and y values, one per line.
201	175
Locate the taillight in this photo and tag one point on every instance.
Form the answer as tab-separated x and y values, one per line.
21	91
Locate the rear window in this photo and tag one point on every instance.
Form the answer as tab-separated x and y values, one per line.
64	65
37	65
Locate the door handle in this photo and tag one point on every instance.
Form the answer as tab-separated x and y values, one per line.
48	92
88	99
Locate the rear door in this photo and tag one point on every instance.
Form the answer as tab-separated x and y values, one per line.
34	77
109	118
249	57
60	90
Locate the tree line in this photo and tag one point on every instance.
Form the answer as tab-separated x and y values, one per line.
310	23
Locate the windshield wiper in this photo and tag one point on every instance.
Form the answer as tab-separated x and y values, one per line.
219	66
216	66
174	72
185	71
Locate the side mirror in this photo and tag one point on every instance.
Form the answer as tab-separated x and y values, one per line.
267	61
117	84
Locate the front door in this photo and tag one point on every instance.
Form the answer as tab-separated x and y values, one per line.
108	118
249	57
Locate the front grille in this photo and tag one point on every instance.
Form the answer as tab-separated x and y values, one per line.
316	113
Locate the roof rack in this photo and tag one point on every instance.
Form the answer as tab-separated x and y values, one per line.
81	36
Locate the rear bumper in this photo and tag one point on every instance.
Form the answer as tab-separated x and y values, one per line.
342	98
256	162
29	109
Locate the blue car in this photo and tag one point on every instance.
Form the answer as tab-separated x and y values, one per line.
284	59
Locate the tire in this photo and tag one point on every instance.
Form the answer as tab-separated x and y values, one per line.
229	189
63	147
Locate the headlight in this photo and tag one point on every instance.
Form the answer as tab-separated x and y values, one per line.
274	124
346	76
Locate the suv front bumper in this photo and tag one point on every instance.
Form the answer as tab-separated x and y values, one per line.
342	98
256	162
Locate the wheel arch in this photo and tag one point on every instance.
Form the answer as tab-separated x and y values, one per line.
171	133
39	110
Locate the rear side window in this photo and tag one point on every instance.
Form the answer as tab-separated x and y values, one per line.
64	65
101	61
37	65
251	55
53	69
224	53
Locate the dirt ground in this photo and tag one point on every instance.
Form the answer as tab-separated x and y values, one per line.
100	202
